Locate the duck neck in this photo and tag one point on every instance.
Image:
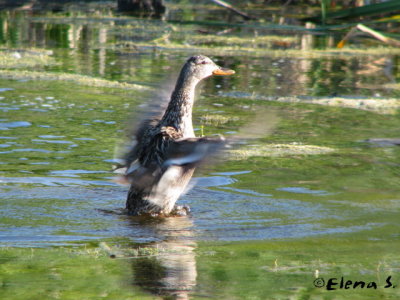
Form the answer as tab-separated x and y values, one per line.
179	111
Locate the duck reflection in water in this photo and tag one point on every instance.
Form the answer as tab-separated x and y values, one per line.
171	272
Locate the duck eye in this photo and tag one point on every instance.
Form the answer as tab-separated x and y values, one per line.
204	62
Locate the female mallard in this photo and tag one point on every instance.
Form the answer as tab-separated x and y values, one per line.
163	159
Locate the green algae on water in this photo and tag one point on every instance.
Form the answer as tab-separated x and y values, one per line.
25	58
377	105
274	150
74	78
64	273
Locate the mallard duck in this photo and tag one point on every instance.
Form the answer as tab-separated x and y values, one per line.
165	153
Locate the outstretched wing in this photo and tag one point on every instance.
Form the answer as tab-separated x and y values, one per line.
163	183
143	119
192	151
128	152
188	152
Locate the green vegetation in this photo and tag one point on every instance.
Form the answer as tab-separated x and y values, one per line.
365	10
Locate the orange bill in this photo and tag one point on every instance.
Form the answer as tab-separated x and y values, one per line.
223	71
341	44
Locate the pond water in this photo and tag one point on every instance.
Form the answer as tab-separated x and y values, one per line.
307	196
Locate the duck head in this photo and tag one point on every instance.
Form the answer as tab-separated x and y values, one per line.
200	67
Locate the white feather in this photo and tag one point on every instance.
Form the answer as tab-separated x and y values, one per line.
168	189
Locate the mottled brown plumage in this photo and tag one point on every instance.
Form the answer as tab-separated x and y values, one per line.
163	158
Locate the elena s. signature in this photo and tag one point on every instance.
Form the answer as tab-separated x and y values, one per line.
338	283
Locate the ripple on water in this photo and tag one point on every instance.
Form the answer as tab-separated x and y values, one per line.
235	217
84	139
231	173
74	173
51	136
38	109
244	191
213	181
15	124
32	150
55	205
7	108
51	141
54	181
104	122
6	89
303	190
